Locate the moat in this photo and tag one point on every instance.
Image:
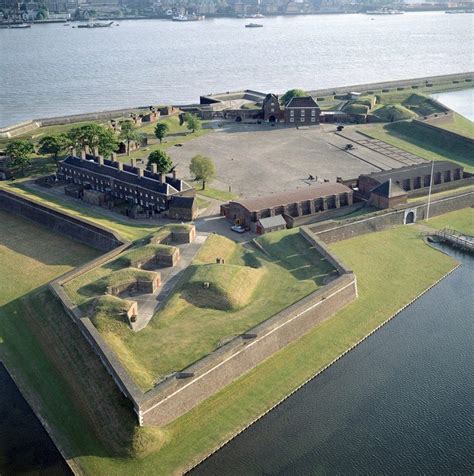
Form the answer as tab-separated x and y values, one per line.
402	399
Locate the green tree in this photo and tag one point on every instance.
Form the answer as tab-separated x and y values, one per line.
292	93
20	152
202	168
193	122
161	131
54	145
162	161
128	133
95	135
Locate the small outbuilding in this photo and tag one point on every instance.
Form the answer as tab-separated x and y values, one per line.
388	195
267	225
183	208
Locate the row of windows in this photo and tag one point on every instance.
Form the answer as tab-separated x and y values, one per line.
302	119
303	112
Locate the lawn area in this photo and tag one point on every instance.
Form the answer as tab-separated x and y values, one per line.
248	289
434	196
127	229
461	125
459	220
217	194
420	141
90	419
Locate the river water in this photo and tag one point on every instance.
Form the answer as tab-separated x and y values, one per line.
459	101
25	447
52	69
400	403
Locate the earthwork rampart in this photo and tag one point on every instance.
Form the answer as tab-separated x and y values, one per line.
76	228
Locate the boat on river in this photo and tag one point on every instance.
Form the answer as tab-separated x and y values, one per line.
19	26
384	11
253	25
183	18
95	25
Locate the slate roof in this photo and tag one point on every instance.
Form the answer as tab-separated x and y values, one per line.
182	202
305	101
149	181
412	171
271	222
287	198
388	190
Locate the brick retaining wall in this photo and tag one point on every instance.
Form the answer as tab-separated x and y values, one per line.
78	229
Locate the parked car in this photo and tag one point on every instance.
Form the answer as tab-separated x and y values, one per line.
238	228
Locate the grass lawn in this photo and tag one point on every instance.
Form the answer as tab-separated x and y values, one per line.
459	220
243	292
127	229
217	194
427	144
89	418
466	188
461	125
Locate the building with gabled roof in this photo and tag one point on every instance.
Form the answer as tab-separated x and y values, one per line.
301	111
388	195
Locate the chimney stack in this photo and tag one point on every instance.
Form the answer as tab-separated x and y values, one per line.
174	173
119	166
133	162
96	152
162	178
87	149
154	169
139	172
101	159
83	154
74	152
114	157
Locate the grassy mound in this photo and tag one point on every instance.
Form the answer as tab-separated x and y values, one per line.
108	313
216	246
146	252
356	108
230	286
393	112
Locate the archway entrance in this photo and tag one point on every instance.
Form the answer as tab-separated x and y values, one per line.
238	119
272	119
410	218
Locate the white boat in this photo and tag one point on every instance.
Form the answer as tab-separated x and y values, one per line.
96	25
384	11
20	26
188	18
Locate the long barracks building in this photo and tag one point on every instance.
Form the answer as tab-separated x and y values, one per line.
148	189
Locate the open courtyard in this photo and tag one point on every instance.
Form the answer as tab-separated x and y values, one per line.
256	159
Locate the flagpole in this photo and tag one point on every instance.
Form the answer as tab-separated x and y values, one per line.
429	193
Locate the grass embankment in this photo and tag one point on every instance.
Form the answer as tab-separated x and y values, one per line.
460	125
126	228
459	220
243	292
427	144
80	402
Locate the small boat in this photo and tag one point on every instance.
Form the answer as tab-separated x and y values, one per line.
253	25
95	25
20	26
183	18
384	11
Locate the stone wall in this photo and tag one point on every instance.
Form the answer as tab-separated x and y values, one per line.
435	124
76	228
382	221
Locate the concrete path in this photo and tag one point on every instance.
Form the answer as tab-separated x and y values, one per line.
149	304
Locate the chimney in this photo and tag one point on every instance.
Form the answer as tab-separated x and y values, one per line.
133	162
154	169
139	172
96	152
74	152
83	154
174	173
101	159
87	149
119	166
162	178
114	157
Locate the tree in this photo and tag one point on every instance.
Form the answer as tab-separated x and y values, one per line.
94	135
162	161
193	122
161	131
292	93
54	145
20	152
202	168
128	133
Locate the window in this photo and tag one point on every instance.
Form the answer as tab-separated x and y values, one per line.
292	119
313	119
313	112
302	119
272	109
302	113
292	113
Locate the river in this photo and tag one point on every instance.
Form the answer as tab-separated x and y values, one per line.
459	101
400	403
51	69
25	447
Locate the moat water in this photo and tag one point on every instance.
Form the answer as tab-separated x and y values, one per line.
400	403
459	101
51	69
25	447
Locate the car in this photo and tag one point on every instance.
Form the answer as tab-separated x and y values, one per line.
238	228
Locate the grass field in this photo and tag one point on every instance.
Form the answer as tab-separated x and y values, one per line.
246	290
460	125
427	144
217	194
459	220
91	421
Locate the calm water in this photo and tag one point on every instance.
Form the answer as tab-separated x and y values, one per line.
53	70
400	403
25	447
459	101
